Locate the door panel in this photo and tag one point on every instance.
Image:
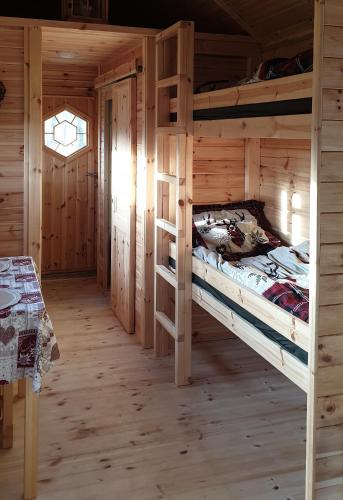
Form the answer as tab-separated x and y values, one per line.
123	183
69	185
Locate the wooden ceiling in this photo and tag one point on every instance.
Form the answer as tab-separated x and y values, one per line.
65	45
271	22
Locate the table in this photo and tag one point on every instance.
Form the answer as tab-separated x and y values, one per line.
28	348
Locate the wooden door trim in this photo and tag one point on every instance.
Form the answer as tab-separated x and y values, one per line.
33	143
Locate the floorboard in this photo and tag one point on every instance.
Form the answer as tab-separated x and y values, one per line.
113	426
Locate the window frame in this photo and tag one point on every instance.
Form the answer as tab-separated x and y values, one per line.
76	112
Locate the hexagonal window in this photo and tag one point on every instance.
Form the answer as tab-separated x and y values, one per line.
65	133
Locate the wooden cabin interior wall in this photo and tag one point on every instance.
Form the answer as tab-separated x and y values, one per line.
12	141
284	185
69	184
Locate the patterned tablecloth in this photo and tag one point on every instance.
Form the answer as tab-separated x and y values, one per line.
28	345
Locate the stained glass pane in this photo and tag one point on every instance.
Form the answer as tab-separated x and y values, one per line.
65	116
50	142
80	124
49	125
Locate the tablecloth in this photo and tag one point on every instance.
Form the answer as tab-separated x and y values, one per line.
28	345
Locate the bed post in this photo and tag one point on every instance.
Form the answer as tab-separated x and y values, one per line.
324	464
173	191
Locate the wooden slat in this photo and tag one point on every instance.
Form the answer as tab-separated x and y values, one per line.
167	324
166	274
288	127
167	226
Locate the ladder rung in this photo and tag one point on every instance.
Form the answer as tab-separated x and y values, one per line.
167	323
168	82
166	226
162	177
166	274
172	130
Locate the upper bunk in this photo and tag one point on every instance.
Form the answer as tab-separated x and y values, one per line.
278	108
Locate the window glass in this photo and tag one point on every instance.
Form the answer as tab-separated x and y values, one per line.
66	133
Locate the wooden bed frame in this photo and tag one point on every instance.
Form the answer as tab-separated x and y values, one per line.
289	90
290	327
322	338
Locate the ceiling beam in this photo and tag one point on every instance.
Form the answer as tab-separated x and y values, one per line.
230	8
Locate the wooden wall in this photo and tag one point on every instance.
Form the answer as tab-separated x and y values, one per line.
12	141
282	175
325	400
218	170
209	68
69	185
284	179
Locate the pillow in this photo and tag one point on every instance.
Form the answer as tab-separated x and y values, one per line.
234	230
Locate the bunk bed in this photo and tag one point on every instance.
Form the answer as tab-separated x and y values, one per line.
281	109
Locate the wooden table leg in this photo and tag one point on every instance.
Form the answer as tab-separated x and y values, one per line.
21	388
7	416
31	443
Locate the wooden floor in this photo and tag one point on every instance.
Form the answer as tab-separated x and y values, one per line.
113	426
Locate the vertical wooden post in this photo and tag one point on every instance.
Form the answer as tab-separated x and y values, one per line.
324	463
30	443
33	143
149	50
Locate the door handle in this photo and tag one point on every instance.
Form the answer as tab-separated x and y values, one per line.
92	174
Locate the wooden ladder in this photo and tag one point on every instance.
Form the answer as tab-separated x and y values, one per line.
173	196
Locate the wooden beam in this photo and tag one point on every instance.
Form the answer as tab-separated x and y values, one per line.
120	31
33	143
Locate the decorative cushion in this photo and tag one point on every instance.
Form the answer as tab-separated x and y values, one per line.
234	230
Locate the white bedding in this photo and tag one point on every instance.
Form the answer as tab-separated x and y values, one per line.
261	272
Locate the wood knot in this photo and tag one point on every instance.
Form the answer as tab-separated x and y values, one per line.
181	203
327	358
331	408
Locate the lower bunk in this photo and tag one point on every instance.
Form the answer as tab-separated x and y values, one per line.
279	337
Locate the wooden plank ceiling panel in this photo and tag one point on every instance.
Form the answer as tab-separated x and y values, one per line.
65	45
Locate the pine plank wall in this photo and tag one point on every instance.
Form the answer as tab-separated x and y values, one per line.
12	141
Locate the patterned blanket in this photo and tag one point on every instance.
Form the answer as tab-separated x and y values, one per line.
284	285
